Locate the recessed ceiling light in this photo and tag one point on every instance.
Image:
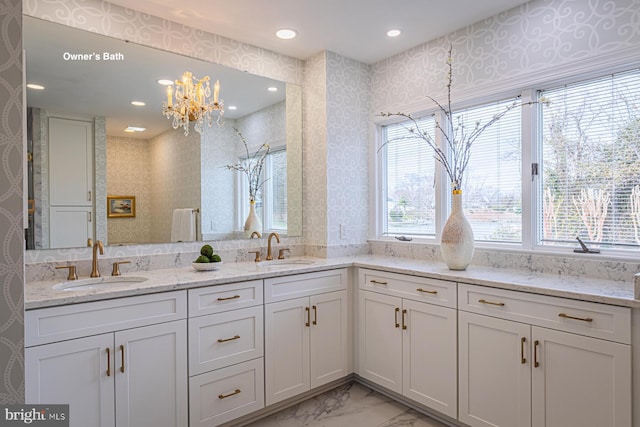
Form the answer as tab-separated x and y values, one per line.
138	103
272	89
232	107
393	33
165	82
285	34
134	129
35	86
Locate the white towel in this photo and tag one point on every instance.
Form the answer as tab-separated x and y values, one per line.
183	225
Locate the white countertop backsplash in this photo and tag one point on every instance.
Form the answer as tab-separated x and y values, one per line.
176	273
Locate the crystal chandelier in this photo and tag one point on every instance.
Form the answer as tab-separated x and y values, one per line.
193	103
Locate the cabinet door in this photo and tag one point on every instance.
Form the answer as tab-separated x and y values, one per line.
380	341
287	326
580	381
329	342
429	356
70	162
151	375
495	372
78	372
71	227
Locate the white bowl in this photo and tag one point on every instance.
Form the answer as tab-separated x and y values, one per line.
206	266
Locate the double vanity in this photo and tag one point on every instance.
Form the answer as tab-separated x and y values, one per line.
482	347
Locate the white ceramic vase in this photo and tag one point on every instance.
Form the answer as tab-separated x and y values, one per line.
253	222
457	242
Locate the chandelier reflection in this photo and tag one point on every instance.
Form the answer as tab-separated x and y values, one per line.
193	103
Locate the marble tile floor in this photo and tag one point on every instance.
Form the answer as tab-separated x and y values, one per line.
351	405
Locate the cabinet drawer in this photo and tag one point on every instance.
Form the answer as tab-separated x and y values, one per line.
216	299
301	285
581	317
434	291
226	394
52	324
223	339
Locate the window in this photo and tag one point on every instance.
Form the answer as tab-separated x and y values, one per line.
492	186
271	198
590	184
586	167
409	191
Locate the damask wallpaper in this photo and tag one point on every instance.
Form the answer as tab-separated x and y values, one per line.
11	206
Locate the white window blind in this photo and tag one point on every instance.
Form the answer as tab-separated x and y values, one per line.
408	188
491	187
590	184
276	170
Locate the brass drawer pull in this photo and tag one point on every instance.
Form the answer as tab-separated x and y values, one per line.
499	304
228	298
536	344
523	359
233	393
376	282
404	324
396	316
122	367
315	315
237	337
308	316
427	292
108	362
584	319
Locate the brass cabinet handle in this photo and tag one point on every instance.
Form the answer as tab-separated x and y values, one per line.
523	360
499	304
228	298
583	319
108	362
122	365
315	315
308	316
427	292
396	316
233	393
404	325
377	282
237	337
536	344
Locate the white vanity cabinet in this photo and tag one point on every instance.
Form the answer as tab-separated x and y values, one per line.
306	332
534	360
121	362
226	349
407	337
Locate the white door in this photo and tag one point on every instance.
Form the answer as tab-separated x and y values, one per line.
495	371
286	329
429	356
151	376
329	342
580	381
77	372
70	162
71	226
380	341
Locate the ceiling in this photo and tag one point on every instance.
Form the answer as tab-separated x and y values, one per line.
352	28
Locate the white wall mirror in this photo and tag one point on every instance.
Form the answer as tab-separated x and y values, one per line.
90	82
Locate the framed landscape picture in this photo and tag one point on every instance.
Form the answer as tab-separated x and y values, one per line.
121	206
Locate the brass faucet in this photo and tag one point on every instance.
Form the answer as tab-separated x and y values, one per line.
255	234
94	264
274	234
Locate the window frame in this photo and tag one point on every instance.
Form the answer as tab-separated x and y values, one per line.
531	146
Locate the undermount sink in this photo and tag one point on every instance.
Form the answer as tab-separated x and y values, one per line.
285	263
97	283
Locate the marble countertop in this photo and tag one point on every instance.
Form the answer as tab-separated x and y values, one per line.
42	294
